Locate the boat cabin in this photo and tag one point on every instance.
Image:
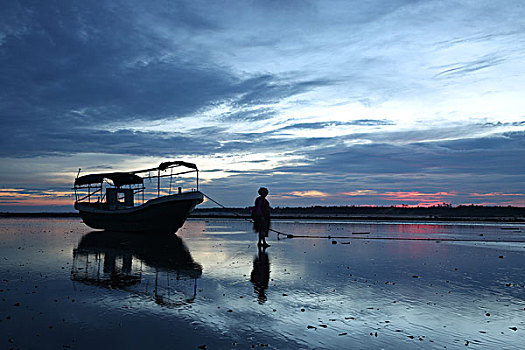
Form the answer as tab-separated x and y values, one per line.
119	197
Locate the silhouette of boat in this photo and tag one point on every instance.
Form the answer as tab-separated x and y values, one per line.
107	200
157	267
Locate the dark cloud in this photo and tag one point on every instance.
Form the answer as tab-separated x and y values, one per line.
249	115
95	58
321	125
456	131
461	68
497	154
481	165
86	66
488	155
98	141
479	38
83	77
265	89
498	124
210	140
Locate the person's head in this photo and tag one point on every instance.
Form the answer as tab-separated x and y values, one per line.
263	191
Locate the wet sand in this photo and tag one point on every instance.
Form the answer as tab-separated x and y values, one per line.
65	286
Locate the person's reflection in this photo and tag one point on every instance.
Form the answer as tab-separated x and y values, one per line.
261	274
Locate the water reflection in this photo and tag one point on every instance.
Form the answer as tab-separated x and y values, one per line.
159	267
260	275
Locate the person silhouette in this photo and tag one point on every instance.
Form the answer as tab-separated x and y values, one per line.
261	216
260	275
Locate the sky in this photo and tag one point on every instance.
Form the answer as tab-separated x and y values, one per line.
399	102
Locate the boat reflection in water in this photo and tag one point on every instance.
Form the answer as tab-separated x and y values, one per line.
159	267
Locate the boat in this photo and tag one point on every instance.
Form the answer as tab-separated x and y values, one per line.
158	267
120	201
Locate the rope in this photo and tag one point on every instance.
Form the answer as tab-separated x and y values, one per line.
409	239
242	217
289	235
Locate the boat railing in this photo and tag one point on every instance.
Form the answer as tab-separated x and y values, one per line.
90	187
87	196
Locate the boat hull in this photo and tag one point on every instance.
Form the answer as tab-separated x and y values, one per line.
164	214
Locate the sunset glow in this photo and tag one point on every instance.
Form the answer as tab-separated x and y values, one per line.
314	100
309	194
16	196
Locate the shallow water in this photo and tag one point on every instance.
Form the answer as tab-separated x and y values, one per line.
64	286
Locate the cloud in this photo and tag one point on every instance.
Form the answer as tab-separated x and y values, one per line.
419	197
469	67
486	155
82	75
320	125
34	197
358	193
299	96
266	90
90	64
98	141
497	194
310	194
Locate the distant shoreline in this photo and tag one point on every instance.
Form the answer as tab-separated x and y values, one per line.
38	215
461	214
366	218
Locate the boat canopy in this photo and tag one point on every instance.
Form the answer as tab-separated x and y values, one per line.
118	179
130	178
166	165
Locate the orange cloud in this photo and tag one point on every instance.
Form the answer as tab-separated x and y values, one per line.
513	202
493	194
414	195
310	194
358	193
38	201
13	193
418	199
14	196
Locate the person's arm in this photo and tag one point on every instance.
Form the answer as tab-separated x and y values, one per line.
266	209
258	209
